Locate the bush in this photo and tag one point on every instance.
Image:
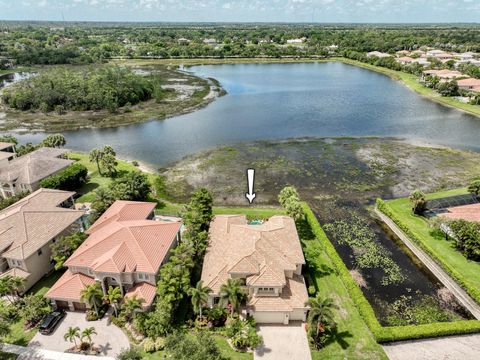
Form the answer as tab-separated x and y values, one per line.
149	345
311	290
4	203
72	178
129	354
159	343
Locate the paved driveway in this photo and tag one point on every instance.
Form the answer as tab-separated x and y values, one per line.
110	339
283	342
466	347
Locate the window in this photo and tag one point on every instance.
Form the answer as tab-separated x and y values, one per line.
39	252
140	276
53	241
216	300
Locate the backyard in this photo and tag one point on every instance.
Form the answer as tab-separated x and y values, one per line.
445	252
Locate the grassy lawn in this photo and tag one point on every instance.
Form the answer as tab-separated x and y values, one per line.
45	283
355	340
444	250
97	180
223	345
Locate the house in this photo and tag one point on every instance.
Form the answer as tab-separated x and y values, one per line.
211	42
267	258
405	60
29	227
435	52
403	53
24	173
126	247
296	41
468	84
7	153
378	54
183	41
467	56
444	74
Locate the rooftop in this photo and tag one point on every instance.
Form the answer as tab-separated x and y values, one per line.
123	240
33	221
69	286
263	252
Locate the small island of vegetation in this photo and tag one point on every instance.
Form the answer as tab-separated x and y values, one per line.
108	87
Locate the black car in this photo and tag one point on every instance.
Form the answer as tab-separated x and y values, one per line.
51	321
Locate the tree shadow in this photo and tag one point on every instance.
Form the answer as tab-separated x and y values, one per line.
340	338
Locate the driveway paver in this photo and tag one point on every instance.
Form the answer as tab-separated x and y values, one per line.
283	342
110	339
465	347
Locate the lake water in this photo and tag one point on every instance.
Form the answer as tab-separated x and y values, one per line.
276	101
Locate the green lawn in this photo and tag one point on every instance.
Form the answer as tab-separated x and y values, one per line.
96	180
355	340
45	283
445	251
223	345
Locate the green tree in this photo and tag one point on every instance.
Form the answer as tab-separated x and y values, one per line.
114	296
294	209
10	286
133	186
288	192
474	187
199	295
130	354
132	305
199	211
72	334
103	199
54	141
202	346
95	156
33	307
320	317
9	139
231	293
87	334
92	295
109	164
64	248
417	198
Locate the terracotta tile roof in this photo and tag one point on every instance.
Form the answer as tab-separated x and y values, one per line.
293	296
143	291
466	212
264	251
32	222
123	241
469	82
445	74
69	287
35	166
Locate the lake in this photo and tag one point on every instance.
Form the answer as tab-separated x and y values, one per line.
276	101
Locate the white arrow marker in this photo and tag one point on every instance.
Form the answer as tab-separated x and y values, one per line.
250	195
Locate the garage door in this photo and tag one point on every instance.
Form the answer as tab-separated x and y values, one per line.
62	304
79	306
269	317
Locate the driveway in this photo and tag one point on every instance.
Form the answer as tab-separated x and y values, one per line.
466	347
110	339
283	342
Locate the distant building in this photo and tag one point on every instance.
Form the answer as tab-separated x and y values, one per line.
183	41
444	74
405	60
378	54
211	42
469	84
296	41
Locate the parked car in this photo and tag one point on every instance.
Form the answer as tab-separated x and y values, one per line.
50	322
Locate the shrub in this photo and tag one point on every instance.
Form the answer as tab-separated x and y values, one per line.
4	203
72	178
129	354
159	343
311	290
148	345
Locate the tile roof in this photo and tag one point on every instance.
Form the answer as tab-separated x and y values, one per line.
293	296
469	82
122	240
444	74
466	212
69	286
34	166
5	145
143	291
16	272
33	221
264	252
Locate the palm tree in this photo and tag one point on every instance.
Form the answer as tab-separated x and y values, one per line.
132	305
199	296
92	294
417	198
232	293
87	333
320	315
17	283
114	296
10	286
71	334
95	156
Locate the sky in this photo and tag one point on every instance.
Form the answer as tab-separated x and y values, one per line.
323	11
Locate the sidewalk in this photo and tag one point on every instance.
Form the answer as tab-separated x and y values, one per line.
40	354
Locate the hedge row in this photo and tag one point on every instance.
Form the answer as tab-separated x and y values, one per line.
72	178
383	333
453	272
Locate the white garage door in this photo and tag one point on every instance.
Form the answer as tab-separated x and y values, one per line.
269	317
